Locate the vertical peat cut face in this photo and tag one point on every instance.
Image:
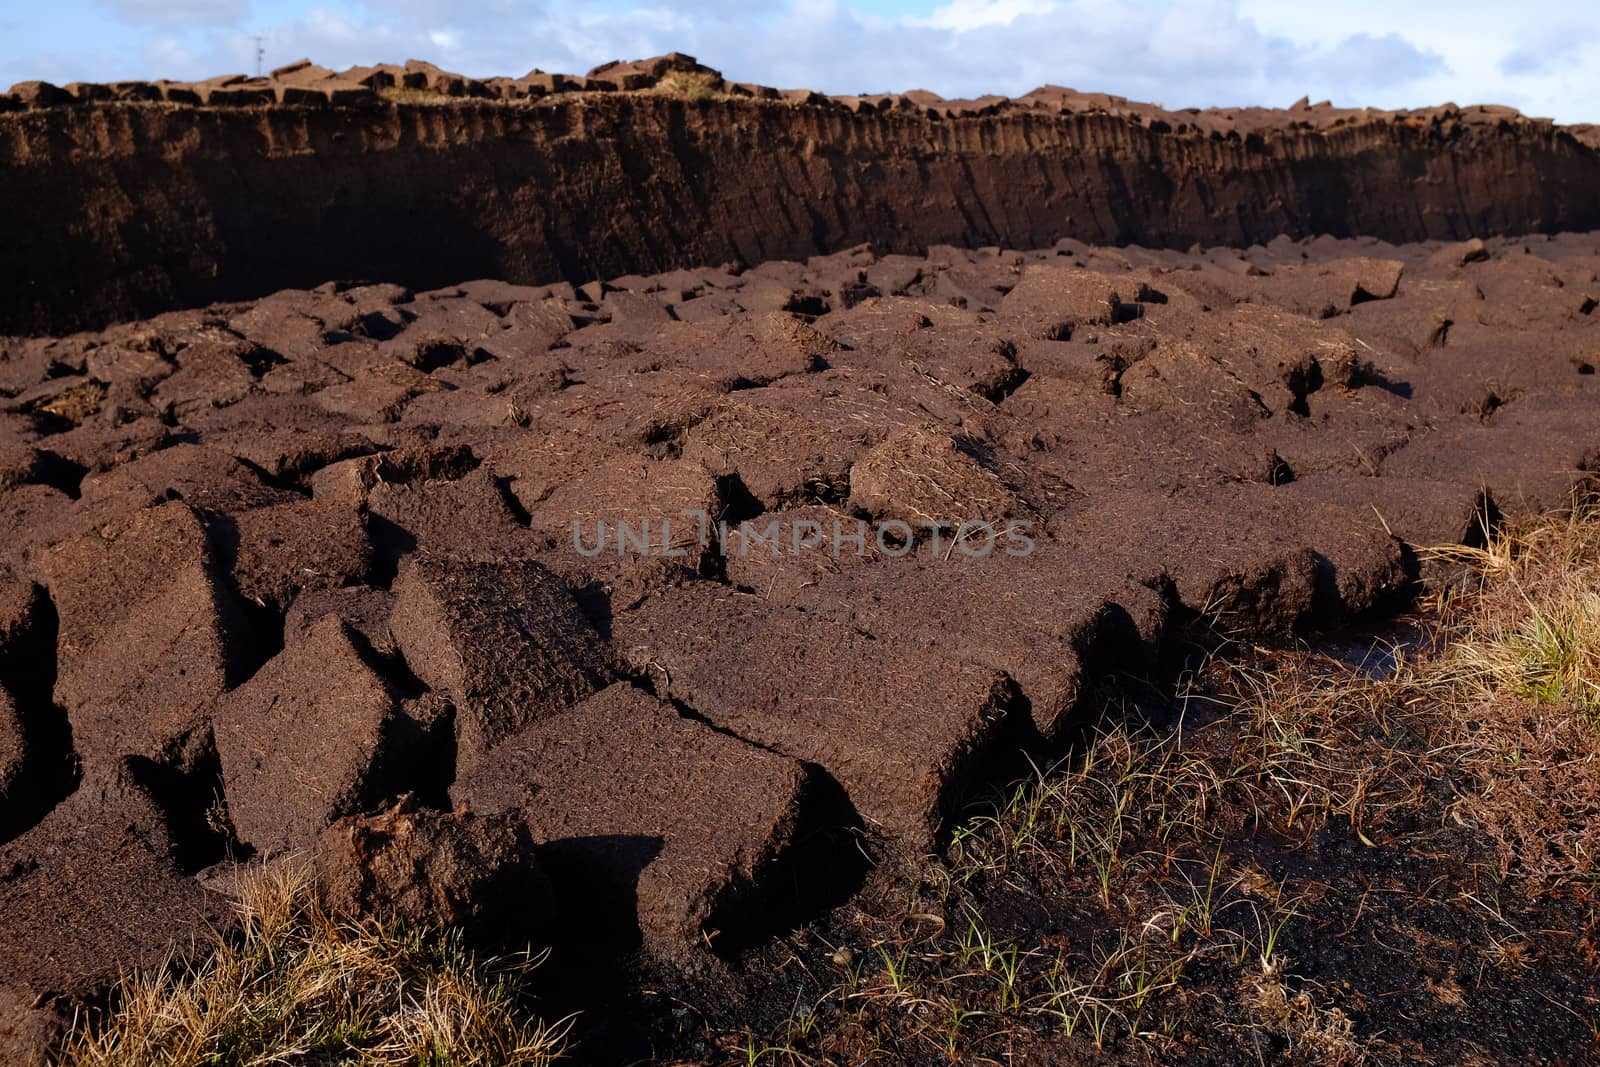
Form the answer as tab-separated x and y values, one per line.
141	198
673	619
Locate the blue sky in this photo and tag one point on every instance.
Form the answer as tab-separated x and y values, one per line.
1542	56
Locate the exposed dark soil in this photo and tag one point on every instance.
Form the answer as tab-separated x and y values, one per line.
873	530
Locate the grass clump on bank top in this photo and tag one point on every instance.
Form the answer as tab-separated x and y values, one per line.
294	985
399	94
690	84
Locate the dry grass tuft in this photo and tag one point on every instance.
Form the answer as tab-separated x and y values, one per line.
1312	1033
1531	626
295	986
690	85
1519	678
397	94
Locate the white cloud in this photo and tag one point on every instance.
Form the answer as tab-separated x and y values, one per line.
972	14
179	12
1495	52
1550	51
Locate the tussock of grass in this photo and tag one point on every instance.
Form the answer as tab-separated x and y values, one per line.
295	986
1531	625
690	85
1520	678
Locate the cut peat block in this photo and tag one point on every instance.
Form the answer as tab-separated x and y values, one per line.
1253	558
1531	456
89	894
317	734
902	731
645	816
432	869
151	635
1050	618
505	642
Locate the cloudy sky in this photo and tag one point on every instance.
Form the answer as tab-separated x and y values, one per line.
1542	56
